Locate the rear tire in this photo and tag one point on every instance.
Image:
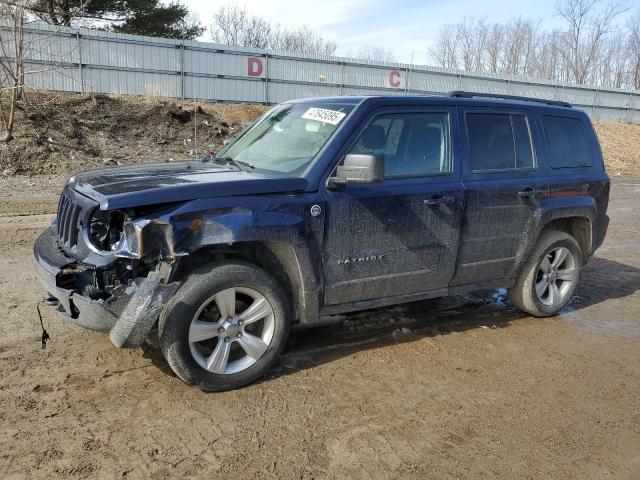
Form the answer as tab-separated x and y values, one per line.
225	327
550	276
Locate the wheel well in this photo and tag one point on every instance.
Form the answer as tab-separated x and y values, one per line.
579	228
256	253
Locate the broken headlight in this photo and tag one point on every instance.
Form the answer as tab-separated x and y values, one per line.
105	229
125	236
130	242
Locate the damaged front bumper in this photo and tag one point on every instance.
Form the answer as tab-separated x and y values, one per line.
128	317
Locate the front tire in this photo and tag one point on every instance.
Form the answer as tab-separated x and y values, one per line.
550	276
225	327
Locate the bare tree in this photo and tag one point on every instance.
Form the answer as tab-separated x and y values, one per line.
229	26
592	46
633	50
18	46
586	32
520	41
13	15
258	33
301	40
494	45
234	25
465	32
373	53
445	48
549	60
612	66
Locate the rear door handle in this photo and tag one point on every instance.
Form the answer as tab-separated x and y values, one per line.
440	200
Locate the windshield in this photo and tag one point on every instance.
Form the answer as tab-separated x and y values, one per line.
287	137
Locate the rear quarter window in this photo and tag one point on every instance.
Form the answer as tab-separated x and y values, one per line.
569	145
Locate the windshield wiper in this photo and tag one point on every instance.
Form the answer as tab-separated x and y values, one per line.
240	162
228	161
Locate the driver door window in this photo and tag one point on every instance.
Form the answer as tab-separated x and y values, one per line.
413	144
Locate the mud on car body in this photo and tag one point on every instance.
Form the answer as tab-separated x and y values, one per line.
326	206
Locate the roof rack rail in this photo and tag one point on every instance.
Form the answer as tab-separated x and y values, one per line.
463	94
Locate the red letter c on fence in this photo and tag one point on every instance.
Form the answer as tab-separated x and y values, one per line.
394	79
255	67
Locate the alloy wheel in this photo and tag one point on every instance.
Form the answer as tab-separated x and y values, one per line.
555	276
231	331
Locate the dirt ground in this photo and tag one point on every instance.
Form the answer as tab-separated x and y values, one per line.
438	389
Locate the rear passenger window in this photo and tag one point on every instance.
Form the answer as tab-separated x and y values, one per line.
568	143
499	141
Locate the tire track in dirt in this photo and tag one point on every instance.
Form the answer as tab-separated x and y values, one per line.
18	221
10	209
21	230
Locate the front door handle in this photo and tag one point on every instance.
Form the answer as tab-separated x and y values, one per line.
440	200
529	192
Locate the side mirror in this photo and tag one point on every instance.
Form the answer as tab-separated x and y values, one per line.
359	168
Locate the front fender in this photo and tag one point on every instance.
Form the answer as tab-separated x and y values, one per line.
232	225
282	225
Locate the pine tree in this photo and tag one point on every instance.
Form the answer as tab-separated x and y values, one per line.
138	17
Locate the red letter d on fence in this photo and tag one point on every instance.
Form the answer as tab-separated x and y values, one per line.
255	67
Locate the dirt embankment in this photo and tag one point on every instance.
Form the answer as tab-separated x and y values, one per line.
58	134
621	147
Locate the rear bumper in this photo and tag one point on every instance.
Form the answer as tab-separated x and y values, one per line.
127	318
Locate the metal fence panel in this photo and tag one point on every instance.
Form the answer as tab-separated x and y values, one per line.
608	99
86	60
281	92
608	115
40	77
48	47
234	90
296	70
117	54
548	92
212	63
485	85
110	81
433	82
578	96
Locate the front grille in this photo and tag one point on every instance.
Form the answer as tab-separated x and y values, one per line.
69	215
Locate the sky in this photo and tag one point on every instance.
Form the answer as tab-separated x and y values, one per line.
404	26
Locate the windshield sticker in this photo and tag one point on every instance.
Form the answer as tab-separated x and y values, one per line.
323	115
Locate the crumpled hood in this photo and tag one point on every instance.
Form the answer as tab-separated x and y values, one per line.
150	184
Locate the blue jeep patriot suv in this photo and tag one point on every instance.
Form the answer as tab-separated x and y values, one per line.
325	206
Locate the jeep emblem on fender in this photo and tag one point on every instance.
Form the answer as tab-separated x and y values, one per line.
316	210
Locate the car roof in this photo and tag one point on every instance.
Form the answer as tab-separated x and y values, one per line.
426	100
